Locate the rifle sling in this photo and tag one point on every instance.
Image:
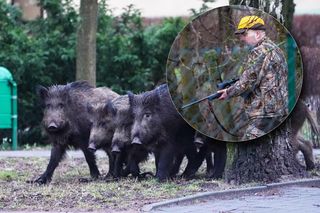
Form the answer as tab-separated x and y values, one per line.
221	126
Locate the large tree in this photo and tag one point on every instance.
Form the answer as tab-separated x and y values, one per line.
272	156
86	41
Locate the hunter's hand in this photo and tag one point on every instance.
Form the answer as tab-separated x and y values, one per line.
224	94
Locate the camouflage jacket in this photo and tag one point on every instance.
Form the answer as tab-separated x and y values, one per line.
263	83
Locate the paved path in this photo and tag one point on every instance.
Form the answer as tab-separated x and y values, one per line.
72	153
289	199
46	153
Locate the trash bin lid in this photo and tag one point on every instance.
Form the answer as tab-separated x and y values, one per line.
5	74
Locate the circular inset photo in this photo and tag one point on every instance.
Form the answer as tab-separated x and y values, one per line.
234	73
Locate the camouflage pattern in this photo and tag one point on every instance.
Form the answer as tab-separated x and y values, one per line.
260	126
263	84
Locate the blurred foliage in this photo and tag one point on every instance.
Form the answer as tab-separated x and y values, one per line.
37	52
130	56
306	30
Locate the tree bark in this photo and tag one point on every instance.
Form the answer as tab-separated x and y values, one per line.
265	159
272	156
86	42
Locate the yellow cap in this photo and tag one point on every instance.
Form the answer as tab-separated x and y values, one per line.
250	22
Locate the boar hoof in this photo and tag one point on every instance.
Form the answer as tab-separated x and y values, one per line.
310	166
41	180
84	180
108	178
95	175
145	175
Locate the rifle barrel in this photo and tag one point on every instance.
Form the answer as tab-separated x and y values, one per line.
216	95
210	98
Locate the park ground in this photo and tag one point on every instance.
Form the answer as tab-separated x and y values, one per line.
68	193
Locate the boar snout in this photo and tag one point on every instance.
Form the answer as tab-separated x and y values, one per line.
52	127
92	147
137	141
115	148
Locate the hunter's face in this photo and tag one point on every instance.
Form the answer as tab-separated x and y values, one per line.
249	37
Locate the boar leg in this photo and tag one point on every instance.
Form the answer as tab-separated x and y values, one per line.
57	153
210	166
137	155
165	161
306	148
156	159
194	162
111	163
119	160
219	159
191	154
91	160
177	163
132	167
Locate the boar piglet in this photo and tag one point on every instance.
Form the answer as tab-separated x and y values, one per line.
66	122
160	129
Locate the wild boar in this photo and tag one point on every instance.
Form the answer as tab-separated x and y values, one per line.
66	121
160	129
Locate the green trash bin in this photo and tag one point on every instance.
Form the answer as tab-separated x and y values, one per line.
8	105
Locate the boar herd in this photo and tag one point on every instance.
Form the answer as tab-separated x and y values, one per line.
128	128
131	127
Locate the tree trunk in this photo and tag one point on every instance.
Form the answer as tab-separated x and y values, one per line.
86	41
267	158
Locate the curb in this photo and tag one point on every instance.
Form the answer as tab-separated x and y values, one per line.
232	192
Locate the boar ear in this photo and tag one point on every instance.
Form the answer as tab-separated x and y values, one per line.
162	89
42	92
84	85
65	94
131	98
89	108
109	109
156	98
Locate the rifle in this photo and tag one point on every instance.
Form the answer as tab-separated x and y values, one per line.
220	86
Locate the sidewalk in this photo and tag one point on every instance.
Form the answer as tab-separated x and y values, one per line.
293	197
72	153
45	153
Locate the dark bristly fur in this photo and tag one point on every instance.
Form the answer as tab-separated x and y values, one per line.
111	128
206	147
298	116
66	121
130	155
162	131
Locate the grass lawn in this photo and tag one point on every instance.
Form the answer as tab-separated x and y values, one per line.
67	193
